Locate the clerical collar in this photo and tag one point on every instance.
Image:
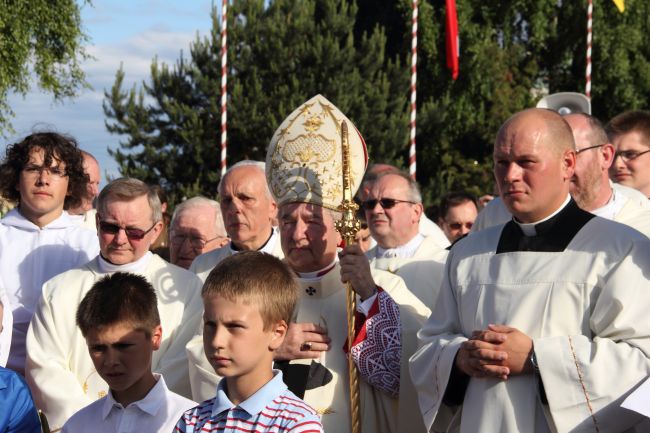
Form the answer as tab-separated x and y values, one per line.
552	235
138	266
317	274
403	251
531	229
268	247
612	207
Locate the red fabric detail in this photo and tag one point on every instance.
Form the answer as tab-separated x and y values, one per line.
451	37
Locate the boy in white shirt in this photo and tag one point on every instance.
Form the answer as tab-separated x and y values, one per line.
119	319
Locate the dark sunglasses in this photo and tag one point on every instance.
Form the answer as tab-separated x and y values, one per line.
386	203
113	229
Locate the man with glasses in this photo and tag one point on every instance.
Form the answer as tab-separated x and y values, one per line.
196	228
458	212
630	134
38	239
393	208
59	370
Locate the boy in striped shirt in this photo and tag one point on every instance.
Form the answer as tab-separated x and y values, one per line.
248	299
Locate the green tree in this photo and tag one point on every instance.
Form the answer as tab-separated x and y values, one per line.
44	40
280	54
358	54
511	51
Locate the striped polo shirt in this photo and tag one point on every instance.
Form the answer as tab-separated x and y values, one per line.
273	408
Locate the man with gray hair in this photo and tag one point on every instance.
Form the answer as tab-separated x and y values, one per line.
196	228
249	213
59	370
393	207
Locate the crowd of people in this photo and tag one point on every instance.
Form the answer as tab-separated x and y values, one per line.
520	313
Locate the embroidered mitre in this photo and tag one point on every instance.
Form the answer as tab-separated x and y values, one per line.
304	159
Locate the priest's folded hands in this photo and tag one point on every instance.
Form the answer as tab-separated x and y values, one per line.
498	351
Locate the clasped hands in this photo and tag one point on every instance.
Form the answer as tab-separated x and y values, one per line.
499	351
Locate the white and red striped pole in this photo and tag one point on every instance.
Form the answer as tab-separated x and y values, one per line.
224	82
414	77
590	11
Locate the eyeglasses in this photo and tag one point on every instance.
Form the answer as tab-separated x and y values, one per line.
134	234
629	155
578	152
386	203
196	242
458	226
32	170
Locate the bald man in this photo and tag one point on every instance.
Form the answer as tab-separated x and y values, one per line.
541	322
590	185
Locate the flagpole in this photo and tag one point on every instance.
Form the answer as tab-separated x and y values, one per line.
224	82
414	77
590	11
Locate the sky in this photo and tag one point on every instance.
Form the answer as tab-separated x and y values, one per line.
124	32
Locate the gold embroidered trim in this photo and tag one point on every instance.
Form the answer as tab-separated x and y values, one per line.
582	383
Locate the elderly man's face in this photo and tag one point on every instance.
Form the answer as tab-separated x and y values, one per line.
309	239
91	168
590	165
194	232
120	248
397	225
247	210
531	174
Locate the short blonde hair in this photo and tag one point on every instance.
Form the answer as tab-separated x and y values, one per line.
257	279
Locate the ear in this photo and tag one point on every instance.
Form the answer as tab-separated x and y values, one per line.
607	151
156	337
223	242
568	163
279	331
418	209
97	222
157	229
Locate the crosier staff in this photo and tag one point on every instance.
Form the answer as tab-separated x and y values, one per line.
348	226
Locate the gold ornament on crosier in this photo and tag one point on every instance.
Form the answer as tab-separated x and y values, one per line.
348	226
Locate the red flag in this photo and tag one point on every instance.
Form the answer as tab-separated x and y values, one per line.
451	27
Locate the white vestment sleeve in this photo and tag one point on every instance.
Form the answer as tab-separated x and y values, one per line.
431	366
55	388
173	365
587	376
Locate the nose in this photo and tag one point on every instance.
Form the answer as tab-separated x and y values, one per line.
120	237
110	358
299	231
465	228
618	161
43	178
512	173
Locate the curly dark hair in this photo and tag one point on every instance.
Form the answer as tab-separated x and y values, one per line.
57	147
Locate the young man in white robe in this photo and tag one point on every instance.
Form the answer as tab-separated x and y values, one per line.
393	210
541	324
59	370
38	239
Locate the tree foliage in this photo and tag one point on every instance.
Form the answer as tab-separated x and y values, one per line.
280	54
357	54
44	40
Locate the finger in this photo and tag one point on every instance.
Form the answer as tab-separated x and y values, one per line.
316	337
500	328
473	345
493	337
317	347
312	327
